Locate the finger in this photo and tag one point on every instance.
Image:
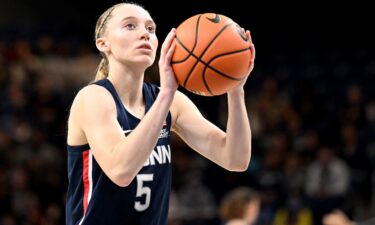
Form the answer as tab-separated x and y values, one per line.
252	49
168	41
170	52
249	36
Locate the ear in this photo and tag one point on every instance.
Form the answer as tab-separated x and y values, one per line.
102	44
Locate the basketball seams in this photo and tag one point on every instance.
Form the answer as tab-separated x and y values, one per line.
194	45
207	65
184	47
199	59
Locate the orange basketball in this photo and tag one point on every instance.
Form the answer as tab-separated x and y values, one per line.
212	54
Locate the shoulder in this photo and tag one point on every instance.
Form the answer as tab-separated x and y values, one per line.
92	96
92	93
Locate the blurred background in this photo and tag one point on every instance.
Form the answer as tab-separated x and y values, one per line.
310	100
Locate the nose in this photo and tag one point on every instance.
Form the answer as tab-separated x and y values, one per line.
145	35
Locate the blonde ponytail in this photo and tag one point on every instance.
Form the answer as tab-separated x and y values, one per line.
102	71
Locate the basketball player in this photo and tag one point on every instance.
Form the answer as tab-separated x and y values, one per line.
119	156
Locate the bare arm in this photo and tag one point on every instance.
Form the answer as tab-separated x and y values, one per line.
122	157
230	150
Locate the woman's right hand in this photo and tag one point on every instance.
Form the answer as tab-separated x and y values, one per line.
168	80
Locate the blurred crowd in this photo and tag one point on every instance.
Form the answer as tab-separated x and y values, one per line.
312	117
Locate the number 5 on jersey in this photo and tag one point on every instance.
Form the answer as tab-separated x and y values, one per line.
143	190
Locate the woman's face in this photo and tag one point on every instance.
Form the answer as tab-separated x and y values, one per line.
130	36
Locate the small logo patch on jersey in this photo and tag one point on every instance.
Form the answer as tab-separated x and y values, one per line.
164	133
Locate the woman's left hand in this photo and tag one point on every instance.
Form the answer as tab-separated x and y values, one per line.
251	63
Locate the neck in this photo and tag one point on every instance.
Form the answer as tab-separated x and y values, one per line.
128	84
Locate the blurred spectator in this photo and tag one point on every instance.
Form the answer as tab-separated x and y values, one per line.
338	217
326	183
240	206
355	156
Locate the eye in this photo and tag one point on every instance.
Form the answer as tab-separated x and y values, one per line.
151	29
130	26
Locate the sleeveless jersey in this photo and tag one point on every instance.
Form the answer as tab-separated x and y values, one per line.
92	198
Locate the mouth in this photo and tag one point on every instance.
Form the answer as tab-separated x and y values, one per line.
145	46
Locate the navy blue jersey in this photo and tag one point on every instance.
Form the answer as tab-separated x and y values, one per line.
92	198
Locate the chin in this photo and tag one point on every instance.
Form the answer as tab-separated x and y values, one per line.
140	61
144	63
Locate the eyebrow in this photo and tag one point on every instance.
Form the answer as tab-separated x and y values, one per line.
136	18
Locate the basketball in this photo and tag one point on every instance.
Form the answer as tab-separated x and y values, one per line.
212	54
